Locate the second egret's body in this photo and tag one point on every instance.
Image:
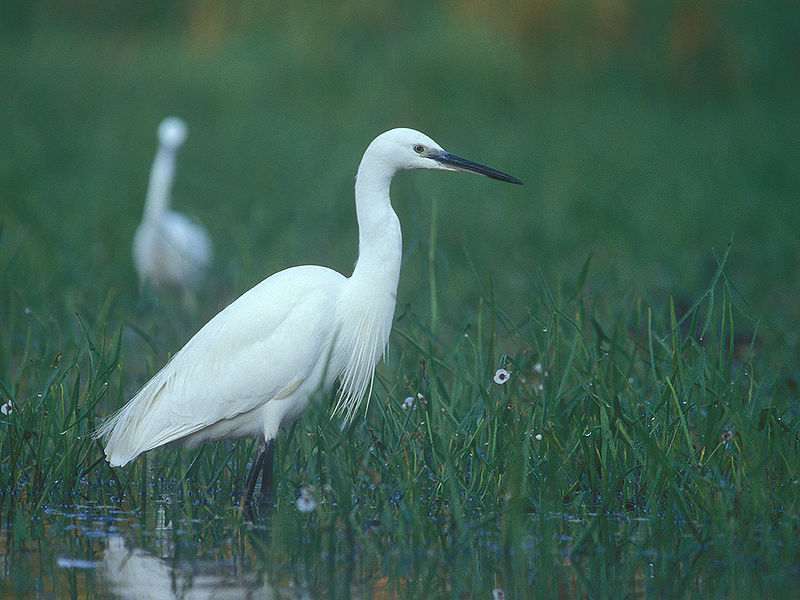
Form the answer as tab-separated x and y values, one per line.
169	249
254	367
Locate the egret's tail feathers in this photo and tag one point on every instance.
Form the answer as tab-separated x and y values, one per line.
118	452
125	441
138	426
121	431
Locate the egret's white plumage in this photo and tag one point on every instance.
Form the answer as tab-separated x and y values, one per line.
254	366
169	250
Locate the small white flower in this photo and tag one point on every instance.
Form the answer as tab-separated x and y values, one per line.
501	376
538	437
306	502
7	408
408	403
498	594
538	368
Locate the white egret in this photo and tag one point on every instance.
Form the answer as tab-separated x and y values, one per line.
254	366
169	250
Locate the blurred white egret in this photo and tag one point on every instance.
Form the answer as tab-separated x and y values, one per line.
169	250
254	366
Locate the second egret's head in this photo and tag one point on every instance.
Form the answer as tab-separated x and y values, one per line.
172	132
409	149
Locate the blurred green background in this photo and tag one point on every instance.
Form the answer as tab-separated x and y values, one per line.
648	134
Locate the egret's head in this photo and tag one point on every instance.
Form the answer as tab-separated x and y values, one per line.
172	132
409	149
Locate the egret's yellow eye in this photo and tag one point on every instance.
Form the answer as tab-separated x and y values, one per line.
419	148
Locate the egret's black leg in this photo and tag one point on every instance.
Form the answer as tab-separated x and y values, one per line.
267	456
263	463
250	482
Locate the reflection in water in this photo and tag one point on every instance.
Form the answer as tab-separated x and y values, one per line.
100	554
133	573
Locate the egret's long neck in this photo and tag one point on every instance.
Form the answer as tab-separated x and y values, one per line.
366	307
380	243
158	191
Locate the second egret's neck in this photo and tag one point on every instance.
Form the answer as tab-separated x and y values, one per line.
380	244
158	190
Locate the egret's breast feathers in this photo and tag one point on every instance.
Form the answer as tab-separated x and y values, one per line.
360	344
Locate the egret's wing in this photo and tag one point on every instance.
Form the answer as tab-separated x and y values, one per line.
185	245
173	250
257	349
188	236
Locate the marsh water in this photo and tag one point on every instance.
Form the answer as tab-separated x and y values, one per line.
159	553
103	552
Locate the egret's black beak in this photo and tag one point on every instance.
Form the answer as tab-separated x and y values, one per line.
462	164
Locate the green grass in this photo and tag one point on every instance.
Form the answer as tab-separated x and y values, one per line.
662	441
640	289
